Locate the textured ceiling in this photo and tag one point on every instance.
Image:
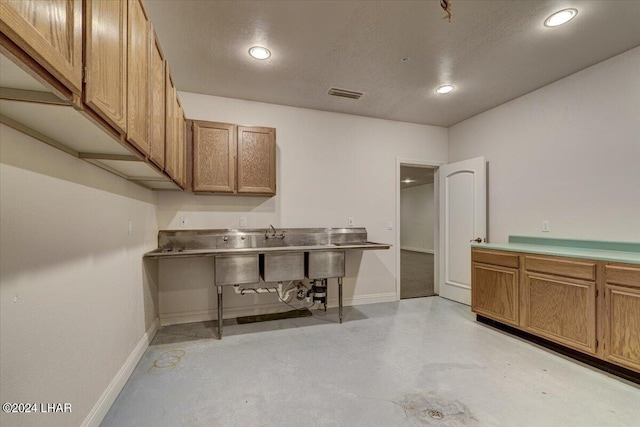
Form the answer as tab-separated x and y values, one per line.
492	51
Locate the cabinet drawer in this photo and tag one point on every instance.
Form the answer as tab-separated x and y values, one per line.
495	258
561	267
626	275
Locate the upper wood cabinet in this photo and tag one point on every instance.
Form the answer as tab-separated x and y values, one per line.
50	32
175	142
137	76
157	95
256	160
233	159
103	57
170	156
106	60
622	319
181	167
214	155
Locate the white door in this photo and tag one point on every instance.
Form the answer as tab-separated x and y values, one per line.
463	217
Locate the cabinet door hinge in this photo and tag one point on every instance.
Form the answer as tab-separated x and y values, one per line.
597	343
84	74
597	292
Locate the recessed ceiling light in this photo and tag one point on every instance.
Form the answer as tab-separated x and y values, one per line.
444	89
561	17
259	52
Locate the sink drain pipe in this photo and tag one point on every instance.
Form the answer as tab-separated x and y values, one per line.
269	290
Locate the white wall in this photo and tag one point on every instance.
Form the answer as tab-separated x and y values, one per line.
329	167
417	218
568	153
75	301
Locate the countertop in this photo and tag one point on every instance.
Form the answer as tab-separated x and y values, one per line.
626	252
164	253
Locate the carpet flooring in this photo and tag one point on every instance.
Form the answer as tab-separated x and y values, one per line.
416	275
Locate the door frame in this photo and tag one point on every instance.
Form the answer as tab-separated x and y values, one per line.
418	163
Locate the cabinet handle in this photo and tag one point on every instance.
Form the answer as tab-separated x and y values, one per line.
478	240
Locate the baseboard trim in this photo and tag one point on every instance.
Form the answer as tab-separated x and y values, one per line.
100	409
254	309
365	299
412	249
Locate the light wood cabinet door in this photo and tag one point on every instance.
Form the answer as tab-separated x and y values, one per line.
170	162
181	170
214	155
622	319
495	292
106	61
50	32
561	309
137	76
157	95
256	160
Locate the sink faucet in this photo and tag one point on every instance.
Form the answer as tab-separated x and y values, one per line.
273	234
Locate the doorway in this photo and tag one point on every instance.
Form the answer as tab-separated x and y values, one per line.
417	237
460	199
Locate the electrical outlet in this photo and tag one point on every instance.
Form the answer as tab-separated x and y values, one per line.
389	225
350	221
183	221
545	226
243	221
130	229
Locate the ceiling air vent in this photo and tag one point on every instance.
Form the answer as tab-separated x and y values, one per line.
343	93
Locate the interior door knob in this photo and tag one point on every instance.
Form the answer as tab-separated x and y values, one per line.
478	240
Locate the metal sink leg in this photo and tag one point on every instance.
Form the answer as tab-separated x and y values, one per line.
325	282
340	298
219	312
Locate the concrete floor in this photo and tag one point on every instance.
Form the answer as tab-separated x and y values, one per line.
392	364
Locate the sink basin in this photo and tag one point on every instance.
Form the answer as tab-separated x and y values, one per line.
282	266
324	264
236	269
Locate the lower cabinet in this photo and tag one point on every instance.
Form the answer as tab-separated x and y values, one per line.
622	315
587	305
562	310
495	287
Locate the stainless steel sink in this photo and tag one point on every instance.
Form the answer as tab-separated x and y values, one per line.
278	255
236	269
324	264
282	266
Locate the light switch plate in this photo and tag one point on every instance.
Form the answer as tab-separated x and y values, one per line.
545	226
130	229
350	221
183	221
243	221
